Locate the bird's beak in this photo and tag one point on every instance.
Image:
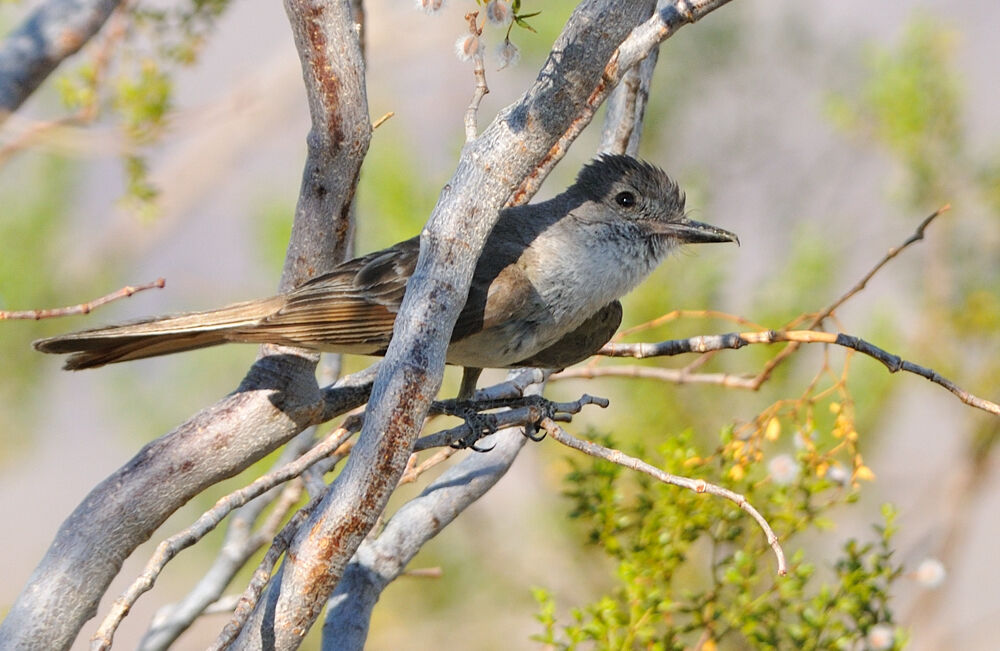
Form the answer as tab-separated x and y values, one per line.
686	231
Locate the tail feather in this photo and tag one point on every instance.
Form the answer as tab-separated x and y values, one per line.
158	336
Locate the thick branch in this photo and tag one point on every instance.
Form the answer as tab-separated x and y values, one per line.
334	73
271	406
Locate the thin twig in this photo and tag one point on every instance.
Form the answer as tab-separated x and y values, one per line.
696	485
382	120
479	70
892	253
674	315
672	375
173	545
411	474
425	573
828	311
83	308
735	340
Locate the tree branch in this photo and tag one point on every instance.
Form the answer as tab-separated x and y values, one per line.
669	16
822	315
510	149
279	396
209	520
83	308
736	340
54	31
479	71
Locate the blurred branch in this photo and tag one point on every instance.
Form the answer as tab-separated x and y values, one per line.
696	485
83	308
627	108
54	31
68	132
671	375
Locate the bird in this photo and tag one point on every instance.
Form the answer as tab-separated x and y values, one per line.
544	291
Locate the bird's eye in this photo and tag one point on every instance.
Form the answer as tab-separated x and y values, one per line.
625	199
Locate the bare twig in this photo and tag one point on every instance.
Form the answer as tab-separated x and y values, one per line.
382	120
479	70
892	253
671	375
83	308
414	471
170	547
735	340
240	542
674	315
425	573
829	310
696	485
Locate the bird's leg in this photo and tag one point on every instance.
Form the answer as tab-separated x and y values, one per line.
470	375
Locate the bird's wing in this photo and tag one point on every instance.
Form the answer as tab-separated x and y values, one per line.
496	299
581	343
350	309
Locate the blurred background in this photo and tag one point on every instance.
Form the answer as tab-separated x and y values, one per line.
822	133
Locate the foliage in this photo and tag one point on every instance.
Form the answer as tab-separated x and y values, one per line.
129	72
694	570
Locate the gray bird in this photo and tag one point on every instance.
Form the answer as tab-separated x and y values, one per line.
544	293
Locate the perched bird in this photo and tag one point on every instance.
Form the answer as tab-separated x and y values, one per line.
544	292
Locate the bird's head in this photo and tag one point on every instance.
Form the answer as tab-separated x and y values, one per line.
638	192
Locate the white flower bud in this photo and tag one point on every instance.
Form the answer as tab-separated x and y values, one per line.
429	6
880	637
783	469
466	46
930	573
499	13
508	54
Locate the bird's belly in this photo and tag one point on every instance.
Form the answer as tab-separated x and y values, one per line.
502	346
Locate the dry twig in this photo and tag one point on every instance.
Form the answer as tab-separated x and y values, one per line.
82	308
828	311
735	340
262	575
479	70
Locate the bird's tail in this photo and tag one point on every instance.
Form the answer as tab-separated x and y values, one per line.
157	336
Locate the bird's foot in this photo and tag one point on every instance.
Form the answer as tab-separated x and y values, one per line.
527	411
